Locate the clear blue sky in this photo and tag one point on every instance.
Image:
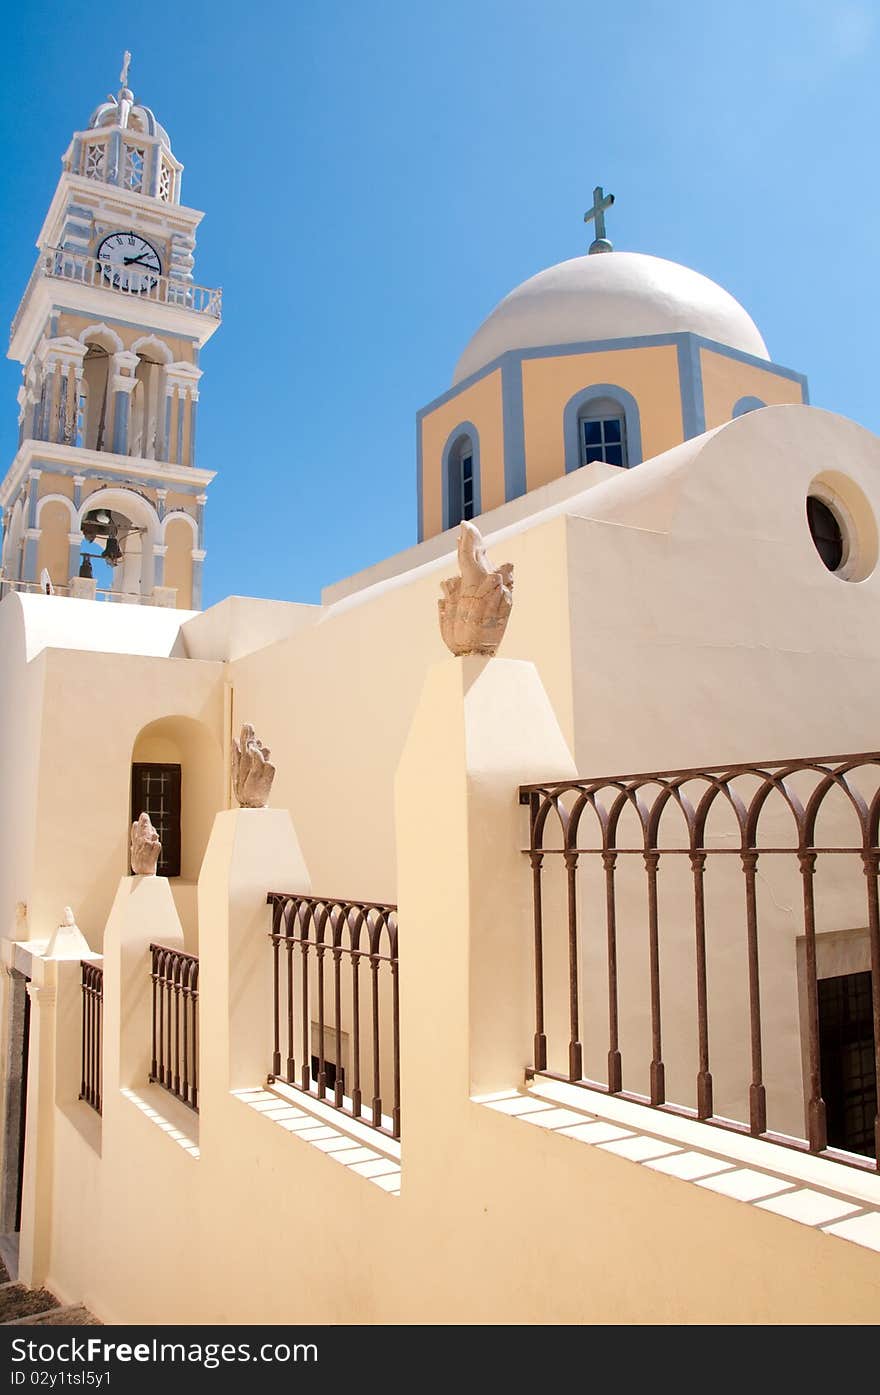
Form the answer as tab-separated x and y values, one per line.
376	176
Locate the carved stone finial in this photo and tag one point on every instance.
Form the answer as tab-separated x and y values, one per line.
252	773
67	941
475	606
145	847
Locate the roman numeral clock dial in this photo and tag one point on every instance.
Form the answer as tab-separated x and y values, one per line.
129	262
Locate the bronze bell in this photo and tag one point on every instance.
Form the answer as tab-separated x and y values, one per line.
112	552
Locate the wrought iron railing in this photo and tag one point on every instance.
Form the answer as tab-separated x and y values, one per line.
320	1046
91	1079
733	928
175	1050
68	265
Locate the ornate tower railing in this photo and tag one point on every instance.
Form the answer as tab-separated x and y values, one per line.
66	265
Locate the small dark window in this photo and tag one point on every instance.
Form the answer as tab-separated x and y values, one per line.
847	1061
467	486
155	790
825	532
603	438
461	484
329	1073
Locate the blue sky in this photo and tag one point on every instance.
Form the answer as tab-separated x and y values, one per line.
377	175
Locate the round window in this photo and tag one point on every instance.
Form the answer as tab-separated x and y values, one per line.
826	532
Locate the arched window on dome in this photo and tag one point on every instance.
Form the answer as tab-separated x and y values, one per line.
601	423
602	432
747	404
461	475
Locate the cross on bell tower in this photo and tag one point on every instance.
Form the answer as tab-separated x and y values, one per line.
601	201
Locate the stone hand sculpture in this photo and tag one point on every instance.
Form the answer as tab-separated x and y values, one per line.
475	606
145	847
252	773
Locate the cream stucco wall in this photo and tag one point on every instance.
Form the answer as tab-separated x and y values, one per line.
600	1240
357	687
726	380
481	404
53	550
70	776
179	540
649	374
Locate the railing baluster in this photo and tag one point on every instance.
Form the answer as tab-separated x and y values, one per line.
658	1070
84	1032
871	863
817	1131
176	990
337	1010
575	1049
291	1057
704	1079
355	1029
540	1041
615	1074
377	1087
757	1092
395	1037
319	951
306	1067
276	1006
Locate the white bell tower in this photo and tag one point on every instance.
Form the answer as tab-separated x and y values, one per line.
104	497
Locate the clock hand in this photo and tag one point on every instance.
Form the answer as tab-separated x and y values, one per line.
133	261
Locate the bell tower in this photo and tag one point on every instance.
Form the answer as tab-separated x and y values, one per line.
104	498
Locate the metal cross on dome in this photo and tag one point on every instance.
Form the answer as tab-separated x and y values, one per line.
123	76
601	201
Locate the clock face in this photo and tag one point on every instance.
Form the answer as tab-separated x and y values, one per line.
129	262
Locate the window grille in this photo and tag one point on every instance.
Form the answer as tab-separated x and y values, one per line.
155	790
135	159
603	438
94	161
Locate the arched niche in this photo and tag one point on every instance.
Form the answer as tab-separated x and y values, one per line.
135	575
55	519
192	746
147	421
180	536
13	550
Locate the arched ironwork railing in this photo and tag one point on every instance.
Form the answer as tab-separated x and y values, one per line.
338	1042
651	818
91	1076
174	1060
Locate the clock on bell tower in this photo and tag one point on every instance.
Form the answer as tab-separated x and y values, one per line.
104	499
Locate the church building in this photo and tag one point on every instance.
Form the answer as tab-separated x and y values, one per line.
498	940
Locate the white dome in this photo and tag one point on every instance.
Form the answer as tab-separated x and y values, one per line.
610	295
